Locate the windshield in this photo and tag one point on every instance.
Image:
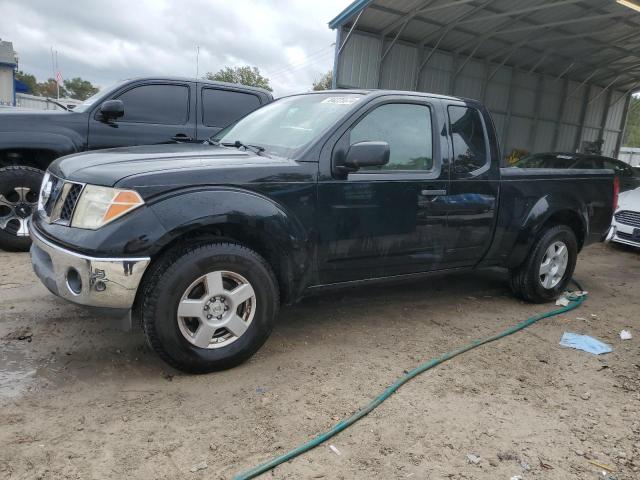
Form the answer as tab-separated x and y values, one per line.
89	102
289	124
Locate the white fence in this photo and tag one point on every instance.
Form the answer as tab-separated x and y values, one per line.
24	100
630	156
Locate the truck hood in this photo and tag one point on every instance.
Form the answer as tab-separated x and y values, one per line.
158	164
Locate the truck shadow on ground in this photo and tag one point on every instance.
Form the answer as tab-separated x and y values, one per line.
69	344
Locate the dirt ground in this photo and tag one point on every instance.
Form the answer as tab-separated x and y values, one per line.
80	398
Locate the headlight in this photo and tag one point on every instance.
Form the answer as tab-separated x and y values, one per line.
98	206
45	191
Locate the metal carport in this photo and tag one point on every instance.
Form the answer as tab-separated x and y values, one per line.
554	74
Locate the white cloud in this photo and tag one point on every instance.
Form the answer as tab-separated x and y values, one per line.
289	41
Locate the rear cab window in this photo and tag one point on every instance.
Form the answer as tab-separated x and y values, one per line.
470	143
223	107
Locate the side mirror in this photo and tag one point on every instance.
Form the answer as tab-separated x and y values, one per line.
112	109
366	154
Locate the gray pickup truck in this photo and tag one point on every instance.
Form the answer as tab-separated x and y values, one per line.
140	111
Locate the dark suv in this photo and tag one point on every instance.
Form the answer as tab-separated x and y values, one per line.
139	111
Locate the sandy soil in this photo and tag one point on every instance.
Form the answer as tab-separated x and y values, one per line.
80	398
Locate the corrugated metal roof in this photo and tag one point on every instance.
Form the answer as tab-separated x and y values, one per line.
592	35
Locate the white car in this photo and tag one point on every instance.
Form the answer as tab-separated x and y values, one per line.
625	226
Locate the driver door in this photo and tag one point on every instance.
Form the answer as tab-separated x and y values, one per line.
390	220
154	112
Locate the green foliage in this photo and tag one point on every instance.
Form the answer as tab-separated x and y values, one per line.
29	80
324	83
75	88
632	132
79	89
49	89
241	75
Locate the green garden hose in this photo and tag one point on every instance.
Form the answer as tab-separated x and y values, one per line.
574	302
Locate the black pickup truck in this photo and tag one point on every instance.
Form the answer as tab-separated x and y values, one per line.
202	243
139	111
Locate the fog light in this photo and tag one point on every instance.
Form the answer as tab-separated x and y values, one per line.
74	282
100	286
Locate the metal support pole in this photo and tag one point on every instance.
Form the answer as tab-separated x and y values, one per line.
536	113
560	114
507	122
605	116
623	124
346	39
336	60
583	116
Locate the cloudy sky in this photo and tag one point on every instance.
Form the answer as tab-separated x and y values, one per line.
288	40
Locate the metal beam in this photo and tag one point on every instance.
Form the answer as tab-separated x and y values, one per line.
565	71
523	10
420	9
560	114
450	26
605	116
604	90
573	92
507	120
583	116
346	39
393	42
536	113
623	121
559	23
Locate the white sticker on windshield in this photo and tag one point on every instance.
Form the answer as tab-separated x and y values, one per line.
564	157
340	100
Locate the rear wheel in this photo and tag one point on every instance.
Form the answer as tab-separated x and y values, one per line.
545	273
209	307
19	188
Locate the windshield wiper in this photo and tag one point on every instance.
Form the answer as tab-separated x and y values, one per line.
257	149
51	100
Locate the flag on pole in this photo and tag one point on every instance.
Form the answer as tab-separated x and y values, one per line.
58	78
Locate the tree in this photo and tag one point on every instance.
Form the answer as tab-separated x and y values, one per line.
324	83
632	131
49	89
29	80
79	89
241	75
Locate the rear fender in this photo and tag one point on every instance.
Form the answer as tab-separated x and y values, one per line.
550	209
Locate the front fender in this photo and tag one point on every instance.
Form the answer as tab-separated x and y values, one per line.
54	142
194	210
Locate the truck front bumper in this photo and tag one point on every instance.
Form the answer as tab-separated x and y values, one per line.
96	282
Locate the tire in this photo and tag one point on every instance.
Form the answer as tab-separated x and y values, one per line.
19	189
528	281
176	282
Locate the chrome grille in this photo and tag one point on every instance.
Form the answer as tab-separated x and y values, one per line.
70	202
627	217
62	199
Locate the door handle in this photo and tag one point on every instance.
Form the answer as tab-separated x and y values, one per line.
181	137
432	193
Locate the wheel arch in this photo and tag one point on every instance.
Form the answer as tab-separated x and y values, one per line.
547	212
243	217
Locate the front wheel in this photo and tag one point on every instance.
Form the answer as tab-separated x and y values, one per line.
546	272
19	188
209	307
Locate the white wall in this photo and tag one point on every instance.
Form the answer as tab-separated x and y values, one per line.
6	85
